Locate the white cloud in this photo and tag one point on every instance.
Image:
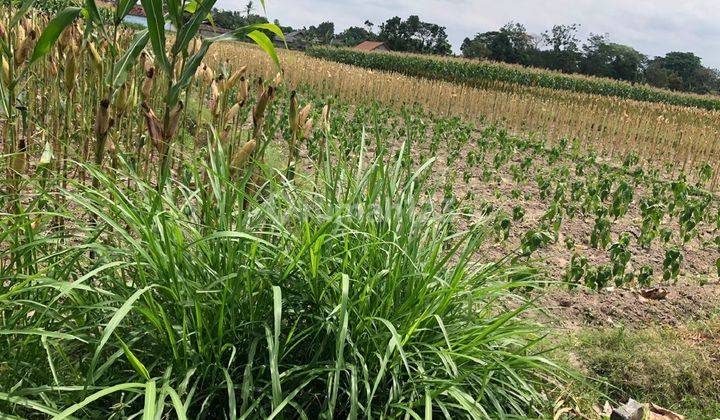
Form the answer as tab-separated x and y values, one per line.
652	26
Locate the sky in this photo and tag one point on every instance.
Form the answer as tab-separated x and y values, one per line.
653	27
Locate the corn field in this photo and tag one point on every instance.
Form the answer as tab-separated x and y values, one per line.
683	137
483	73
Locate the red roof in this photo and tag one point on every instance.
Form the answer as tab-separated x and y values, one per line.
369	46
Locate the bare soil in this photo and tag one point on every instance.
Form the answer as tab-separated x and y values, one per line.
574	309
695	295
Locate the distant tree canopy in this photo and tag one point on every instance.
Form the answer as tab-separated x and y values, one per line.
607	59
414	35
233	19
353	36
511	44
598	56
323	33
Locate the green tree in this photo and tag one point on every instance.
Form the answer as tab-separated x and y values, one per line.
511	44
682	71
684	64
414	35
708	81
353	36
564	53
475	48
323	33
607	59
231	20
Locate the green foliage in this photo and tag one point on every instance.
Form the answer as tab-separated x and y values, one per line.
645	276
599	277
652	213
511	44
671	263
600	236
293	301
622	198
692	214
518	213
414	35
578	269
620	257
502	226
534	240
474	73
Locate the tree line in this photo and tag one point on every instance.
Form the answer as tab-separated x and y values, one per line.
556	49
560	49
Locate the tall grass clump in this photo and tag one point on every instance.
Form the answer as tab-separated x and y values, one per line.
349	297
156	260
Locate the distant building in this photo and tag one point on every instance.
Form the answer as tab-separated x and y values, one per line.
209	31
295	40
372	46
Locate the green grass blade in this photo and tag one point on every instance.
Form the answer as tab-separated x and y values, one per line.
96	396
150	400
115	321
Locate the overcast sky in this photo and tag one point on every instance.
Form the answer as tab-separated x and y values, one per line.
654	27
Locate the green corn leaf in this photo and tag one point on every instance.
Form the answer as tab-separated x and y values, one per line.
123	8
190	68
128	59
190	29
156	27
191	6
58	24
340	345
255	33
232	405
266	44
96	396
27	403
42	333
274	347
176	402
252	31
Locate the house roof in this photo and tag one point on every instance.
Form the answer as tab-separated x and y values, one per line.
291	37
369	46
213	29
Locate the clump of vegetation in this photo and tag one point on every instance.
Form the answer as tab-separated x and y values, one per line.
158	259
